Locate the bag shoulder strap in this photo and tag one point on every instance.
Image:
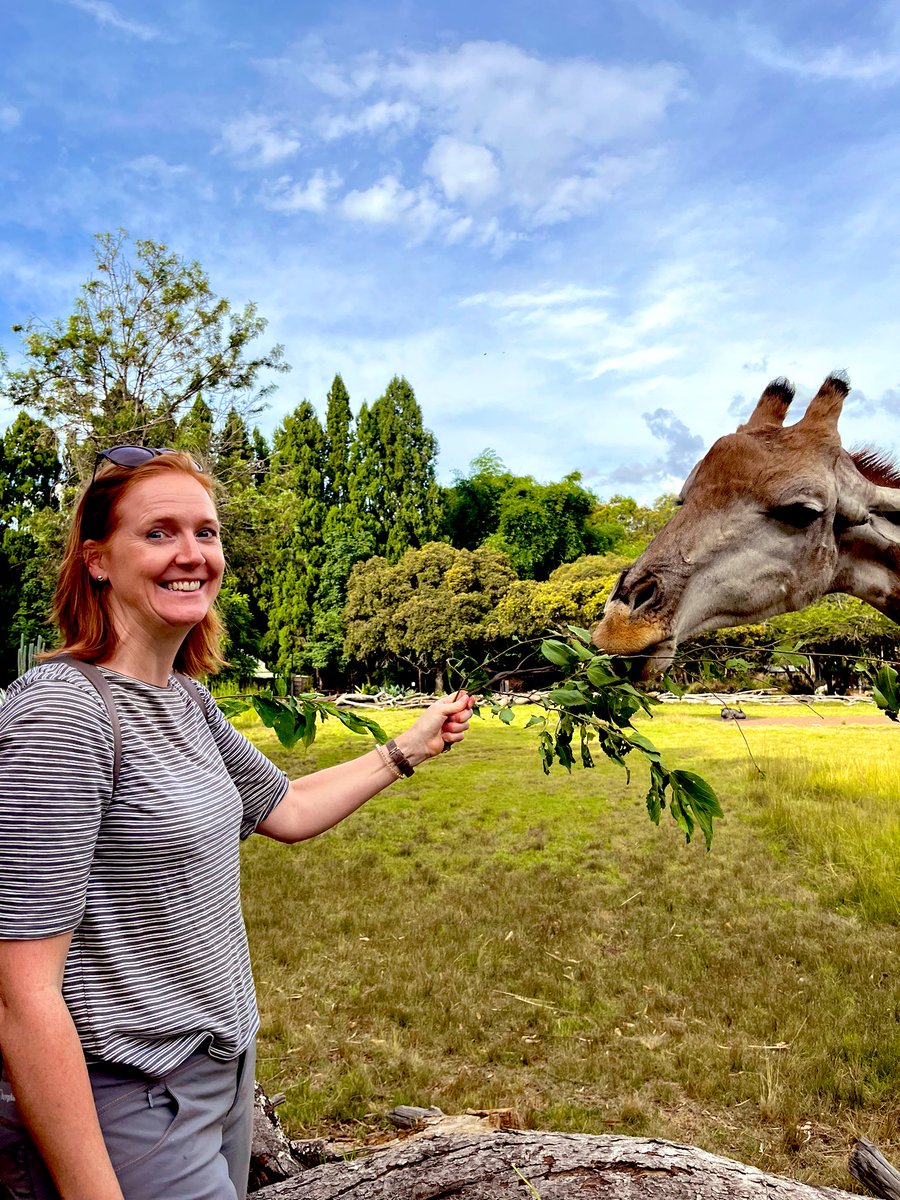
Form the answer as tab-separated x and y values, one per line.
190	686
97	680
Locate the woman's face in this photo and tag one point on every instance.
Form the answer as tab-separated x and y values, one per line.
163	564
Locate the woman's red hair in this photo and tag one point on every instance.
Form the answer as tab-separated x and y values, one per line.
80	606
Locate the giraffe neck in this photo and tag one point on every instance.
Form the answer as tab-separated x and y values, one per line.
869	565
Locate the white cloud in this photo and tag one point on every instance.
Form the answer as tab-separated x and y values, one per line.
10	117
554	297
463	170
841	63
105	14
156	170
519	140
253	141
636	360
388	202
376	118
286	196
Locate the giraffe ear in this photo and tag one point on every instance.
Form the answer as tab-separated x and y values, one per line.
825	406
772	406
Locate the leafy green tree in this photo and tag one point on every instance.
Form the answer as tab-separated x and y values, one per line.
293	515
31	530
146	337
434	603
575	593
638	523
195	431
541	526
471	507
338	421
346	542
392	477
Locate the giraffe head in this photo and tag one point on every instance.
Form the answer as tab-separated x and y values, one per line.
772	518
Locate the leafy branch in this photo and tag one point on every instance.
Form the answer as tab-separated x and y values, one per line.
591	709
294	718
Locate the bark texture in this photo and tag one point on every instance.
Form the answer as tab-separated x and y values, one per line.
869	1166
500	1165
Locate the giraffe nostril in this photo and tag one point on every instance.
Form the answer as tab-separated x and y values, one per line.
643	595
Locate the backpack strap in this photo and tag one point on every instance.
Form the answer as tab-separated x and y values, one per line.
97	680
190	686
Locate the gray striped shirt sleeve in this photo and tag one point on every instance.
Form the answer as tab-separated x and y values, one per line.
56	765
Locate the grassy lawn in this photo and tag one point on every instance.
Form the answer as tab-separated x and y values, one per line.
480	936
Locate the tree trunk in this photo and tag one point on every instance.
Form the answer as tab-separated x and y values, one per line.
509	1163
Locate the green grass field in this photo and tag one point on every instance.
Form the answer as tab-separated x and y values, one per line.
480	936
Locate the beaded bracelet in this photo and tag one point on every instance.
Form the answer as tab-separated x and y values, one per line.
382	753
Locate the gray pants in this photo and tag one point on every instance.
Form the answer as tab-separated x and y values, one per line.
183	1137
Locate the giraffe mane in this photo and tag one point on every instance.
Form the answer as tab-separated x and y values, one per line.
877	466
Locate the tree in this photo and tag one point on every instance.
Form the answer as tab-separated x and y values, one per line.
338	420
392	479
145	339
345	543
291	553
540	526
31	531
471	508
432	604
575	593
195	431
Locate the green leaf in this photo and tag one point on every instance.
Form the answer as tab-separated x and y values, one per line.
695	796
269	709
643	743
656	796
738	664
360	724
507	716
672	686
536	721
798	661
567	697
558	653
290	727
583	635
600	676
886	690
232	708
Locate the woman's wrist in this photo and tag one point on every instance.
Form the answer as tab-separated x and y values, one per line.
407	746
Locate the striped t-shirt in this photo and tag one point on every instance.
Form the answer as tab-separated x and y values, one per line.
148	882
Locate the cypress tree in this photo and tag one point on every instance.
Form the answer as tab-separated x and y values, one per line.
392	477
294	516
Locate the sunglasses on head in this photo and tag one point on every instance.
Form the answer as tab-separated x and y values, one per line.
131	456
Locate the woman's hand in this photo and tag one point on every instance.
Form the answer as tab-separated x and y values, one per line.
441	725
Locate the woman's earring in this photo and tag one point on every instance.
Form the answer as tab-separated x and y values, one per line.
100	578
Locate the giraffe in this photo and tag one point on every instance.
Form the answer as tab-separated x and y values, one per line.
772	518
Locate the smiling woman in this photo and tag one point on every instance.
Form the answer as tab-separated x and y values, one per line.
127	1009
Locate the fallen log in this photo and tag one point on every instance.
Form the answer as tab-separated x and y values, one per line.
870	1168
504	1163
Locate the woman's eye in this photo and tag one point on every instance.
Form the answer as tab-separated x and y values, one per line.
799	516
209	534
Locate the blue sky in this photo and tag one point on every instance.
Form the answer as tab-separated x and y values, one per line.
588	234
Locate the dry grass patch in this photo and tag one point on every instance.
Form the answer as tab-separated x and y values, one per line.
481	936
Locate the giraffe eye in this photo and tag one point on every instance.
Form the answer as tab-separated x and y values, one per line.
798	516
